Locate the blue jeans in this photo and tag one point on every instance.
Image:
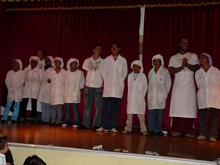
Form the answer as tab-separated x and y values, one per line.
213	128
155	120
46	112
56	113
91	94
14	114
110	110
76	119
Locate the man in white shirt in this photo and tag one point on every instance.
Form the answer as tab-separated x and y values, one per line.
114	72
183	109
93	90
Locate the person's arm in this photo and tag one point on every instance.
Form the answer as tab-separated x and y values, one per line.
193	68
174	70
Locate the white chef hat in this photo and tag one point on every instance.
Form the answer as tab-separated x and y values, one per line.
35	58
61	60
209	57
139	63
19	62
158	56
70	61
51	60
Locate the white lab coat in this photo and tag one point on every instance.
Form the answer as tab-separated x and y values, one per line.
136	94
2	159
44	95
183	98
159	87
209	88
57	87
32	82
74	81
114	74
14	82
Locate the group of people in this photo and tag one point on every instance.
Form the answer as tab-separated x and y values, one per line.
46	81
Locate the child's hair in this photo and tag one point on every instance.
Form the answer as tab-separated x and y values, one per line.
94	46
3	141
34	160
44	52
116	43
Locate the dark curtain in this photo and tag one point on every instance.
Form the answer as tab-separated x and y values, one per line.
71	34
163	28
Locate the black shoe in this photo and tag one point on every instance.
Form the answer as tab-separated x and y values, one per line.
82	127
13	121
160	133
151	133
94	128
52	124
3	121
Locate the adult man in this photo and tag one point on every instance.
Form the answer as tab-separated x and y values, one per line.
183	107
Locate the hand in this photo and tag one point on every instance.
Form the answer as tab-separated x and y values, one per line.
184	62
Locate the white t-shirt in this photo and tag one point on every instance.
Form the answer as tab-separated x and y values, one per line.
93	68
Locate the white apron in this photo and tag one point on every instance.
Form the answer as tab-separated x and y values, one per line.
183	98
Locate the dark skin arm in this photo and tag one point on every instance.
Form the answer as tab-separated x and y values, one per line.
193	68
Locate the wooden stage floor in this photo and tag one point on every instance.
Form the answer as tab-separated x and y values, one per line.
136	143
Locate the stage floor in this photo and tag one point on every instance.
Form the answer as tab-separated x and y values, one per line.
136	143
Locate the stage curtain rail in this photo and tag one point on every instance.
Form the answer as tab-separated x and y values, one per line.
97	5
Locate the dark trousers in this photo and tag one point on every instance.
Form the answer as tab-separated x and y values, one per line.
23	107
110	110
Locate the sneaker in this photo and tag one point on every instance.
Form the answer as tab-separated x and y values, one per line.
190	135
75	126
64	125
114	130
145	133
212	139
100	129
175	134
200	137
126	132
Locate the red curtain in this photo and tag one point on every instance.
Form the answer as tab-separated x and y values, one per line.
71	34
164	26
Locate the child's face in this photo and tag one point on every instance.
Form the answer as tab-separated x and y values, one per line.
33	64
15	66
73	65
47	62
40	54
57	63
203	60
157	63
3	151
115	49
97	50
136	68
